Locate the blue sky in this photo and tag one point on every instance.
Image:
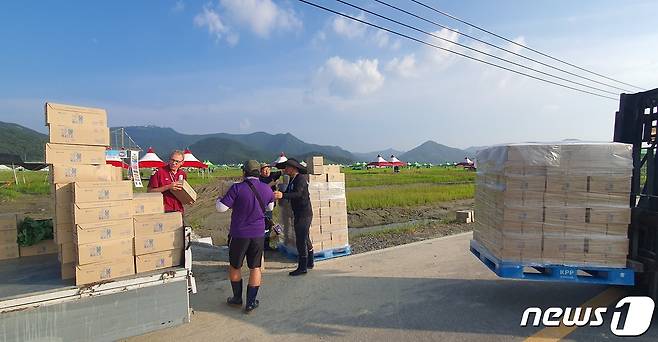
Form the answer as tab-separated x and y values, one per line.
241	66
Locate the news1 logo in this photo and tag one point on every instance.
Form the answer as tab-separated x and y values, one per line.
639	312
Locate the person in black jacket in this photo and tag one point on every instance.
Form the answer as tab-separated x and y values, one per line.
298	195
268	177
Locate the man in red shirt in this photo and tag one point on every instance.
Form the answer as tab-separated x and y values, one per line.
166	179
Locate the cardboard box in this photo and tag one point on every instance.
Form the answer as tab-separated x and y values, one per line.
104	251
8	237
146	244
73	115
8	221
338	219
101	211
317	179
40	248
103	271
523	214
62	174
159	260
62	194
610	184
67	270
336	177
79	135
564	214
104	231
67	253
187	195
75	154
314	161
146	225
609	215
148	203
525	183
63	214
85	192
9	251
559	183
63	232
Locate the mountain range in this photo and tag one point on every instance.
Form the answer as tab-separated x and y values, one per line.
228	148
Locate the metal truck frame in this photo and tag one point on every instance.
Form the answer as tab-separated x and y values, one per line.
635	123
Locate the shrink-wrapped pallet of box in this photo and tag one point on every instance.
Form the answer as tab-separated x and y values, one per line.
555	203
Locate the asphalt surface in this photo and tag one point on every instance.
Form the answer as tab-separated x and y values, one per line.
433	290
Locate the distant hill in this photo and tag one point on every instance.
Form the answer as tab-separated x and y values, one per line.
371	156
472	151
226	151
24	142
433	152
263	146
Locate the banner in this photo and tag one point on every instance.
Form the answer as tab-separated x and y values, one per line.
134	166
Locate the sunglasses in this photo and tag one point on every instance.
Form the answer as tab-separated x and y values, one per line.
176	161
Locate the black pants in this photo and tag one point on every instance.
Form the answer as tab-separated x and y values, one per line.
303	240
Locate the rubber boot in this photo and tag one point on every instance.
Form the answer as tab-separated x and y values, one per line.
311	260
301	267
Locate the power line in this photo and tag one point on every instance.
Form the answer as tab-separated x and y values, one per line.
521	45
496	46
453	52
476	50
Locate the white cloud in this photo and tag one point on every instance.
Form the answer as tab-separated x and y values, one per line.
448	38
245	124
349	28
179	6
261	16
210	19
515	48
339	77
404	67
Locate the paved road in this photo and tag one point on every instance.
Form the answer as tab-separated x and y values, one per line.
433	290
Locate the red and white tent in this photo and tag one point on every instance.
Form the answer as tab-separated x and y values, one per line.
115	160
189	160
380	162
150	160
466	162
396	162
282	158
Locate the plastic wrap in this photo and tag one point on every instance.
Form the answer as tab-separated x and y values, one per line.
555	203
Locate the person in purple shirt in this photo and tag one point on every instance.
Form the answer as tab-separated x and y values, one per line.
247	231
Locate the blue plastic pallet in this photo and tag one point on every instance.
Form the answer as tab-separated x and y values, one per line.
291	253
545	272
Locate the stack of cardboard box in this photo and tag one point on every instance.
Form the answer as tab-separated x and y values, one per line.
562	203
327	193
76	153
8	237
159	236
103	235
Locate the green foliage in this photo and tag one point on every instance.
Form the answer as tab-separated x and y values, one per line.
21	141
406	195
32	231
375	177
29	182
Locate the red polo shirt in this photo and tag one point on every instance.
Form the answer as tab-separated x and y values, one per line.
163	176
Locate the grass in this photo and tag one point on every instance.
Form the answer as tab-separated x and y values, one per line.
367	189
406	195
376	177
29	182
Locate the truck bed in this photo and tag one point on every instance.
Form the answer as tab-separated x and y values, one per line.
35	304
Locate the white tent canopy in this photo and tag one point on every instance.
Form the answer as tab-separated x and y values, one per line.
151	156
282	158
394	159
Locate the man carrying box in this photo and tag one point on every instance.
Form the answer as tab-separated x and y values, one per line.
247	231
168	178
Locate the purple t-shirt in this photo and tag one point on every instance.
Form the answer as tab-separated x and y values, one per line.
247	218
